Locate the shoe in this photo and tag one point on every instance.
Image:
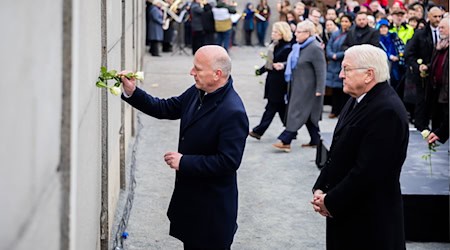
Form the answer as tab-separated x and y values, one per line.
309	145
331	116
254	135
283	147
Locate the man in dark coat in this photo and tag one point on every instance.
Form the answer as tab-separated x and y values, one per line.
421	46
213	131
437	90
361	33
358	190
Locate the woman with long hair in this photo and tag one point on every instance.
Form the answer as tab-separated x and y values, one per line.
276	86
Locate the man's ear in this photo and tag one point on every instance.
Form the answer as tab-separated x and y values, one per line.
370	76
218	74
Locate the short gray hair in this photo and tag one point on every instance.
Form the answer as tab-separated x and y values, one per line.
307	26
223	62
367	55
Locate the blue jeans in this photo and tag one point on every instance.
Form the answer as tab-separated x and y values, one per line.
223	39
261	28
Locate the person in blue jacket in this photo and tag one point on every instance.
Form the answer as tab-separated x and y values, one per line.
213	130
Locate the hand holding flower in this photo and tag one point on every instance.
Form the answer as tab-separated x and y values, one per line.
129	84
422	68
430	138
126	77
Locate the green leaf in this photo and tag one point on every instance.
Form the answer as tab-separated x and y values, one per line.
117	84
103	70
113	73
101	84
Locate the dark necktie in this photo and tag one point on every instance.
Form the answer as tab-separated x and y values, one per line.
435	37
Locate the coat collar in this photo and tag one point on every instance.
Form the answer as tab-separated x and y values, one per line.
203	104
349	114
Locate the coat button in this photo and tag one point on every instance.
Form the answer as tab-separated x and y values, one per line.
182	138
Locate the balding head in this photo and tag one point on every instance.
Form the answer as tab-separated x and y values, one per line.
212	68
435	16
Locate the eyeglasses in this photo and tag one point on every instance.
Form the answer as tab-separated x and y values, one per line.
302	31
315	16
346	70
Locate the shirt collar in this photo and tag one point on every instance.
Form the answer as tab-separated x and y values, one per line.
359	99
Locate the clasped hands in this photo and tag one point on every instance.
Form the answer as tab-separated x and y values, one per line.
318	203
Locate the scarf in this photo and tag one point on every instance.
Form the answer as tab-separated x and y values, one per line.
293	57
269	58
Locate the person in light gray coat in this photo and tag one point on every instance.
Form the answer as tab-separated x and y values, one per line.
305	73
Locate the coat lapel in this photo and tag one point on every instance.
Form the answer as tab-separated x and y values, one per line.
349	115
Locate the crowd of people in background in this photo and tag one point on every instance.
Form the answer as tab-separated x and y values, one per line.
414	36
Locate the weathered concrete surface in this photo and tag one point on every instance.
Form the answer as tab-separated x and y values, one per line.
274	187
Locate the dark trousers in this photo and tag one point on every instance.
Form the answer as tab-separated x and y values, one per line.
287	136
421	113
338	100
272	108
198	40
154	47
209	38
437	109
200	248
248	37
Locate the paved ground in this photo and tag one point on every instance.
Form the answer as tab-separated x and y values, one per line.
274	187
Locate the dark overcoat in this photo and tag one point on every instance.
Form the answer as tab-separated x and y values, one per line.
213	131
361	175
420	46
357	35
276	87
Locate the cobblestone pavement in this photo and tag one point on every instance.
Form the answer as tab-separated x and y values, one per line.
274	187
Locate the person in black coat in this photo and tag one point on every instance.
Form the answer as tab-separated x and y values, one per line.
361	33
213	132
276	87
437	90
198	34
421	46
358	190
208	23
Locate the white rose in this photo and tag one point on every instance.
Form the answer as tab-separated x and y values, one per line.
425	133
419	61
115	91
139	75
